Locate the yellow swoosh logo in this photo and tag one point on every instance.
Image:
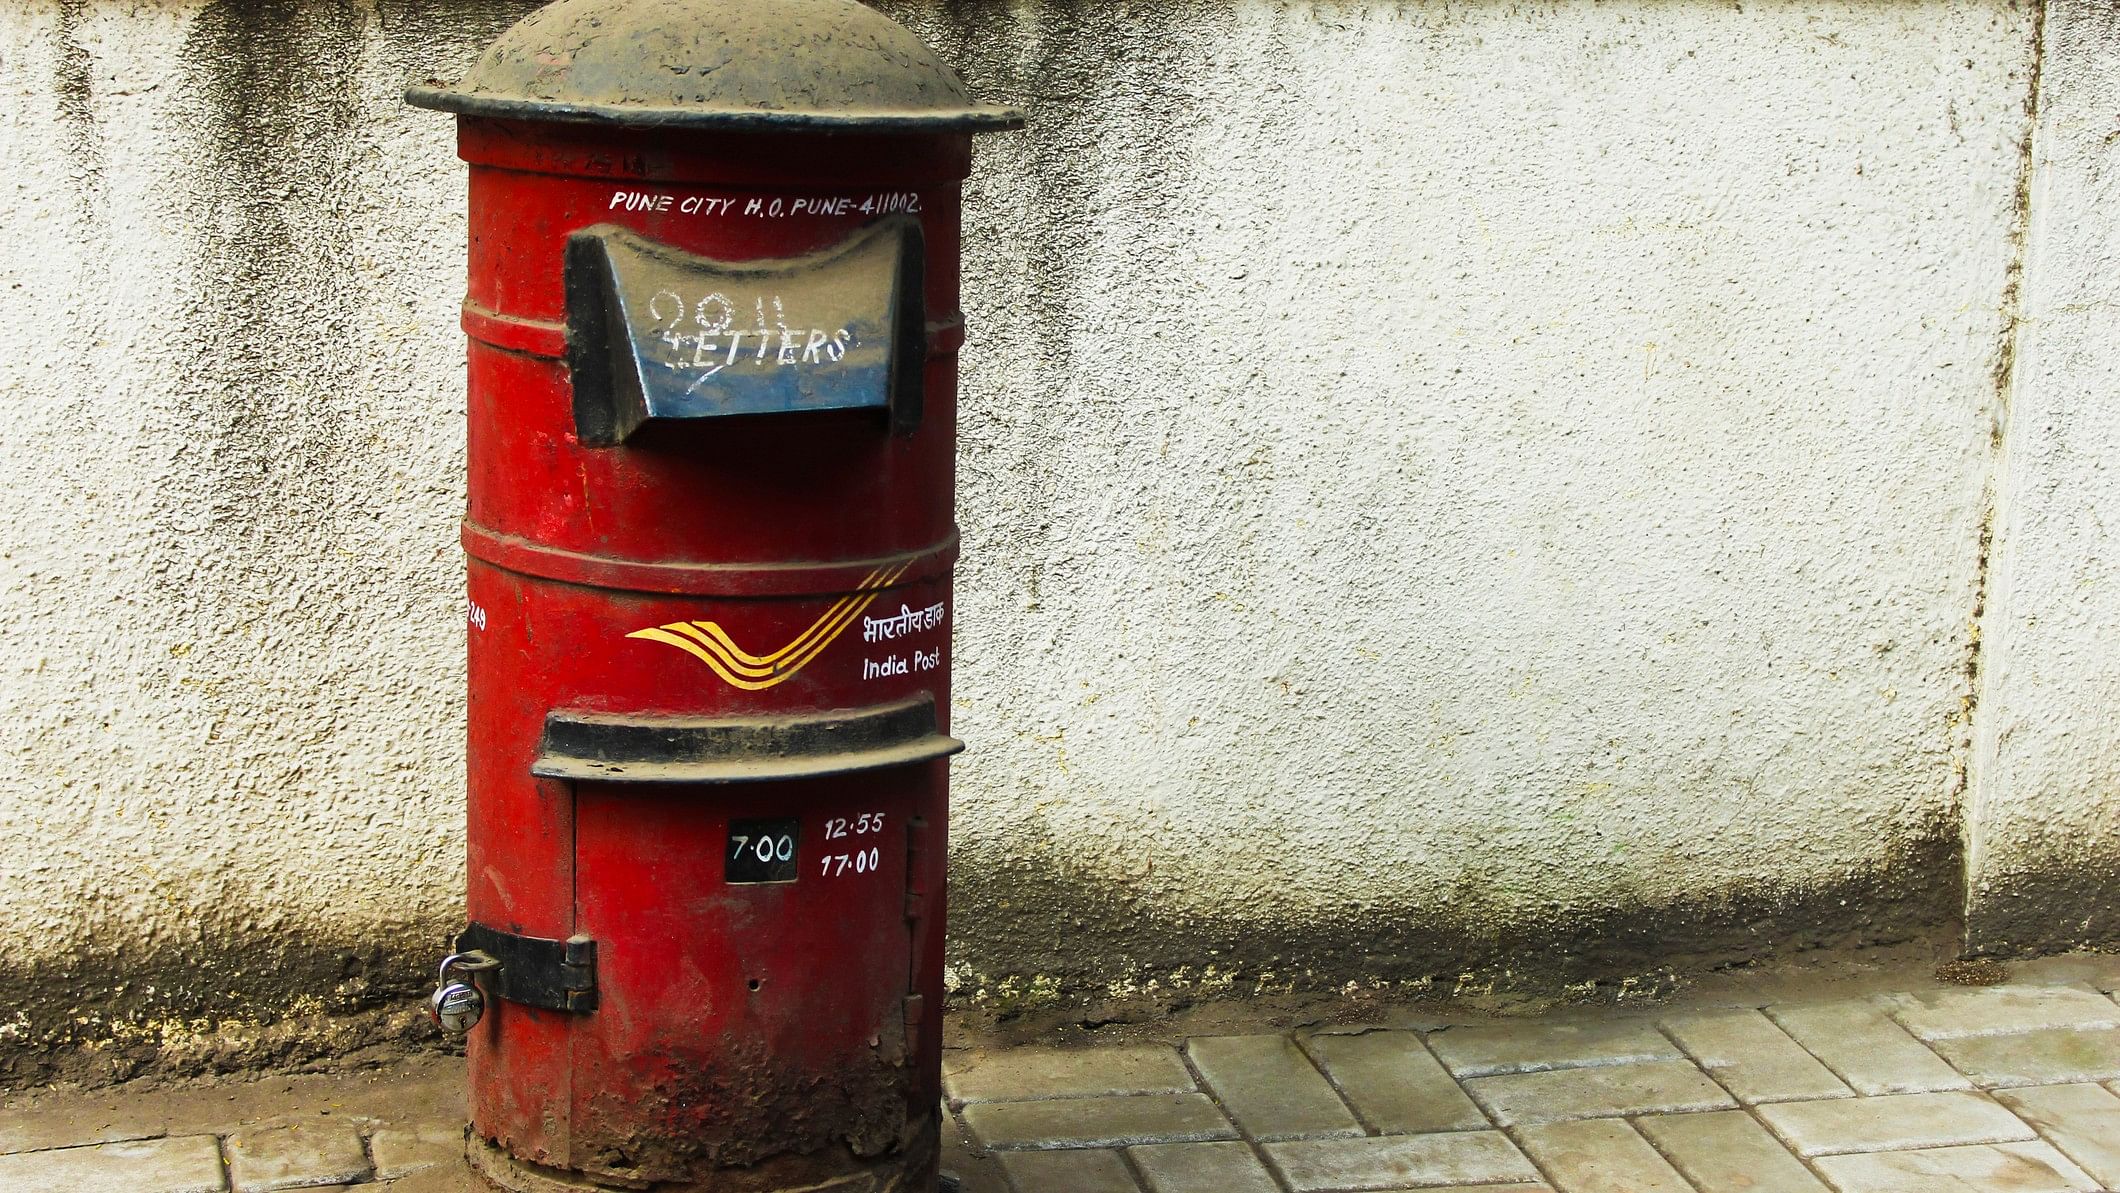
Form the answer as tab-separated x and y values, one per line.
710	644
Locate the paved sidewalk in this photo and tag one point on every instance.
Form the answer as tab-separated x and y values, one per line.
2009	1088
2012	1088
397	1128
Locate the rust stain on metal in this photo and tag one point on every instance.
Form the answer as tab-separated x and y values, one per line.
748	1120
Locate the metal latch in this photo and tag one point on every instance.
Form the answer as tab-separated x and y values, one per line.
559	975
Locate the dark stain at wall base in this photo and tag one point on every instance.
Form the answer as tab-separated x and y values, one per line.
233	1005
221	1005
2048	910
1030	927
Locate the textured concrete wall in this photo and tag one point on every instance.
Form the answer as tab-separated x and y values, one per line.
2043	828
230	606
1445	486
1474	484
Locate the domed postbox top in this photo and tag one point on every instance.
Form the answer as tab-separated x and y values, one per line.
762	65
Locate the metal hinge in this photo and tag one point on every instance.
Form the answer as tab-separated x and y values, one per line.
916	859
559	975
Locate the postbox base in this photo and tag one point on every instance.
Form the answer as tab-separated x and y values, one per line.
912	1171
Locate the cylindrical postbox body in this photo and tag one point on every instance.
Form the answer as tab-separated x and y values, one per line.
713	326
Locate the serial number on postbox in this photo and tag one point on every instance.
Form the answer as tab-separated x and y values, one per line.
771	850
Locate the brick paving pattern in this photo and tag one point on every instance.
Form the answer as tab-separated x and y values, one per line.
2008	1089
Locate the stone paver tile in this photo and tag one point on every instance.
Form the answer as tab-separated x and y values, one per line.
1098	1122
1394	1083
1869	1051
1600	1155
2082	1120
1529	1047
1270	1087
2036	1057
1401	1161
1660	1087
116	1121
1896	1122
1753	1058
2000	1010
458	1179
2001	1168
1728	1150
1024	1073
399	1150
296	1157
1068	1172
187	1164
1203	1168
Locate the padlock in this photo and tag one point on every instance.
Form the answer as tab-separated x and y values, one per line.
458	1004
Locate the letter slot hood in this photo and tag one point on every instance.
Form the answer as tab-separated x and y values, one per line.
656	333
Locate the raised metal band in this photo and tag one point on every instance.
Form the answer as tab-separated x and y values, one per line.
621	748
706	579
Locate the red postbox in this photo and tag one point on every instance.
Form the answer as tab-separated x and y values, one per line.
713	330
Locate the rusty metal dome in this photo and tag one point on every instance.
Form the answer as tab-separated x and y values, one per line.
819	65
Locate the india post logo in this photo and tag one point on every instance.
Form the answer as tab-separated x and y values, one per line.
710	644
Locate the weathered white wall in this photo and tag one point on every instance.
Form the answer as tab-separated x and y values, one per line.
1478	473
2043	829
1442	483
230	611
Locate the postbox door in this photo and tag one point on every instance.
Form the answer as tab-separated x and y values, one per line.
754	970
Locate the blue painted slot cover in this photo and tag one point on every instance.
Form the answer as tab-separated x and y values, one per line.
656	333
